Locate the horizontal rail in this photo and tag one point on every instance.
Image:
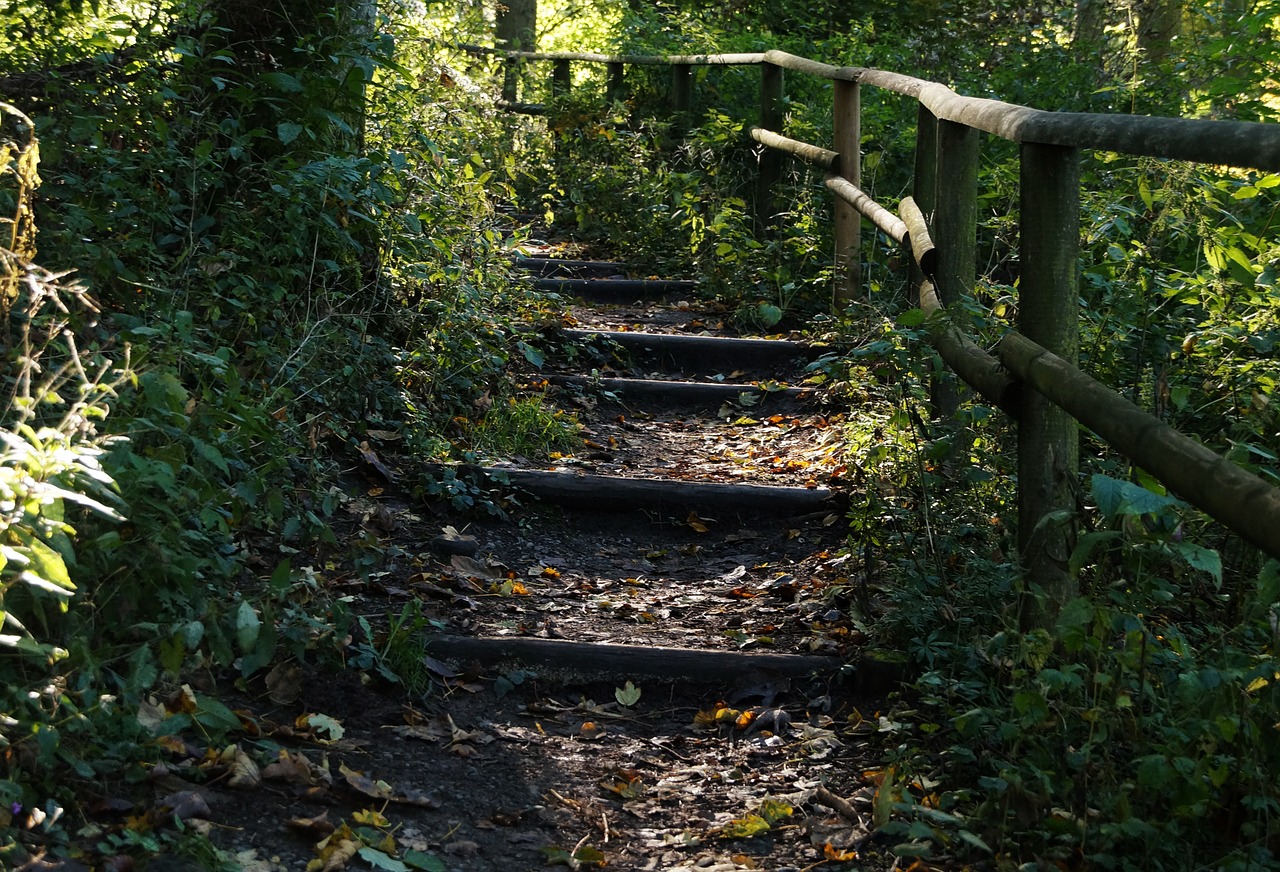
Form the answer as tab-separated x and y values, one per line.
918	234
981	369
878	215
810	154
1236	498
742	59
1248	144
1233	496
1241	501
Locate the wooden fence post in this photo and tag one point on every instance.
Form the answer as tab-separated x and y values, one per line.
955	233
772	117
561	78
682	97
1048	440
616	88
847	135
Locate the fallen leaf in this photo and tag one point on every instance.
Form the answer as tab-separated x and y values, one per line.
628	695
361	783
296	768
698	524
368	455
836	854
243	771
320	825
744	828
284	683
370	818
380	859
468	567
319	724
335	855
186	804
625	783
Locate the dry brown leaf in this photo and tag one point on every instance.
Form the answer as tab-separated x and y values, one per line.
243	772
297	768
418	799
468	567
336	852
320	825
362	783
284	683
186	804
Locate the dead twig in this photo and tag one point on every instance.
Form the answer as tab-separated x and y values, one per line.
837	803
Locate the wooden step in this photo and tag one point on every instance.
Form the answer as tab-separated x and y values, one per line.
572	662
599	660
677	497
713	352
683	394
549	267
612	290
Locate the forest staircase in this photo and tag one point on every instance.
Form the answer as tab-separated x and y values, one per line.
653	363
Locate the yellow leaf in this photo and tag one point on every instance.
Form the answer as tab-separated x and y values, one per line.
774	810
744	828
836	854
370	817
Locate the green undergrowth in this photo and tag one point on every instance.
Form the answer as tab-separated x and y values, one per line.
281	275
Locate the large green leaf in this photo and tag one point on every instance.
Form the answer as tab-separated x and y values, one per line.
1118	497
45	567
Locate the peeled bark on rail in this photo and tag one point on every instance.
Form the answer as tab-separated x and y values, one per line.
809	67
1234	497
595	661
873	211
810	154
922	248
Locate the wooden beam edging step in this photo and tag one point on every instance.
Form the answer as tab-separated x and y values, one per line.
598	660
546	267
606	288
619	494
677	344
680	392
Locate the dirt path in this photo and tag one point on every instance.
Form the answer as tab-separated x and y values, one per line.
715	724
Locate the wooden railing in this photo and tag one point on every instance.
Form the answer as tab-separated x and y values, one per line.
1032	372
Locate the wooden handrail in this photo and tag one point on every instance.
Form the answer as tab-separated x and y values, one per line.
697	60
946	161
810	154
1245	144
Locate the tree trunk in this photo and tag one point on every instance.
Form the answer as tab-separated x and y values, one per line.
1159	21
516	25
515	29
